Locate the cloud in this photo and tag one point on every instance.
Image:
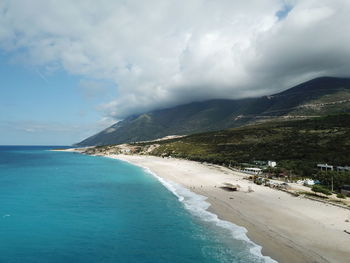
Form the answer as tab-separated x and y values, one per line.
161	53
92	88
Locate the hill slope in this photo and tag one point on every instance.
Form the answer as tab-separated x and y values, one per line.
324	139
313	98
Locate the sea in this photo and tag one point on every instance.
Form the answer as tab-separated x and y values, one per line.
67	207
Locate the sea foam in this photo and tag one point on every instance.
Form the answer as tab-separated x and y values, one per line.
196	204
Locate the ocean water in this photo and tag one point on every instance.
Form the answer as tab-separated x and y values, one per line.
68	207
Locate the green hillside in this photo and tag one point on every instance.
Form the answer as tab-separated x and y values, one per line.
302	143
317	97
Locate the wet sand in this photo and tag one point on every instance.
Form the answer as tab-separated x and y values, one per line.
290	229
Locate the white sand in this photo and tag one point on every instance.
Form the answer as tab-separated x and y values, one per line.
78	150
290	229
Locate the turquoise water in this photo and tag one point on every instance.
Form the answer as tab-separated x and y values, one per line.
67	207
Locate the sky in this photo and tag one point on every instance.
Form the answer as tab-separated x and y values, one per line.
68	69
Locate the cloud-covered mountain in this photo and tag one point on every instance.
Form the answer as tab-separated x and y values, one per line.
317	97
162	53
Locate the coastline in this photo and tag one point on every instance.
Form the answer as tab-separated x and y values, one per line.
289	229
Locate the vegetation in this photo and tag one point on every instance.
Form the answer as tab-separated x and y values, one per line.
320	189
297	146
339	195
339	179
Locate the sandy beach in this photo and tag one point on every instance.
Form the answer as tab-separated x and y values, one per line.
290	229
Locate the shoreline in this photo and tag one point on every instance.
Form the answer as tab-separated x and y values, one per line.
238	232
289	229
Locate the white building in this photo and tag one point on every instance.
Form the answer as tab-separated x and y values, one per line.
271	163
309	182
325	167
252	170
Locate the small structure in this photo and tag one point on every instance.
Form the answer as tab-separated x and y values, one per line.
252	170
325	167
284	186
261	180
274	184
343	168
271	164
309	182
260	163
250	189
230	187
300	182
306	182
345	190
283	174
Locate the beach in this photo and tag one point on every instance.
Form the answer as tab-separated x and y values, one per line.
289	228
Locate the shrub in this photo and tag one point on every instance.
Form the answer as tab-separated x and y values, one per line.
341	196
321	189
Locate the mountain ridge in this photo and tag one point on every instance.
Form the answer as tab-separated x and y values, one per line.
317	97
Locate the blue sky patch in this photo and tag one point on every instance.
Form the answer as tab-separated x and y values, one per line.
283	13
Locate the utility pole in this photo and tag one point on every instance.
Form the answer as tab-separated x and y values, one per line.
332	182
331	178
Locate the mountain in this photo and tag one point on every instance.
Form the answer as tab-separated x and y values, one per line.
317	97
297	146
310	141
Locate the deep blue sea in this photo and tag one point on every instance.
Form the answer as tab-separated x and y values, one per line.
67	207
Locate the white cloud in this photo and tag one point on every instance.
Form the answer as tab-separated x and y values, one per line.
92	88
161	53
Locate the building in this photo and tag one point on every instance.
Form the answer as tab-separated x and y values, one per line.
309	182
345	190
252	170
306	181
271	163
343	168
325	167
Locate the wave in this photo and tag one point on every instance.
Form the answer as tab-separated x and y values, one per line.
198	206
